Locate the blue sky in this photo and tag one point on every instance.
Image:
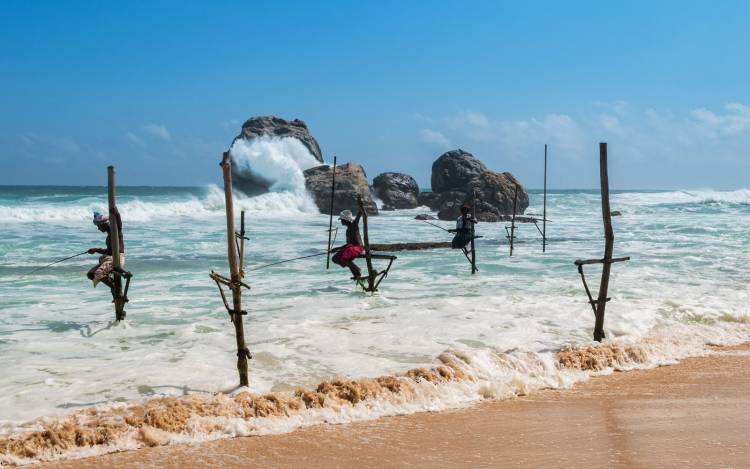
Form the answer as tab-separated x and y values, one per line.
160	88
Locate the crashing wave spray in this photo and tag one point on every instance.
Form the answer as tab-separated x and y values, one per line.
275	164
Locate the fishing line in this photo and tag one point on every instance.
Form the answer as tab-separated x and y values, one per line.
53	263
288	260
436	226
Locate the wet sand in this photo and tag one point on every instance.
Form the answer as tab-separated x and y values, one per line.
694	414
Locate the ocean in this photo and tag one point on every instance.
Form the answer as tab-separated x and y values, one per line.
687	285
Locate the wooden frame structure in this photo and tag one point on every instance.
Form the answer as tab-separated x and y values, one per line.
374	278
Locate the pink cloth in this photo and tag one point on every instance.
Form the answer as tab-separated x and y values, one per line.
347	253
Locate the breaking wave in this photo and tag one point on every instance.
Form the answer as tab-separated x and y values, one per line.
458	378
684	197
281	162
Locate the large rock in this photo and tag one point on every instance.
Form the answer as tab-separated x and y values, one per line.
270	126
396	190
277	127
351	181
457	175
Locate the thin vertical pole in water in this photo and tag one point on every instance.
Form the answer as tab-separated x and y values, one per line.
473	224
544	213
609	242
366	240
235	285
114	235
330	218
513	220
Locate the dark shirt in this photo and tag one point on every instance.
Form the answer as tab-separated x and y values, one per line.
352	232
109	236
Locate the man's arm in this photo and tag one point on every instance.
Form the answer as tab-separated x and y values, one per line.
97	251
356	219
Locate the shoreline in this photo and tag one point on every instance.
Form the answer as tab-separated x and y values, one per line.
692	413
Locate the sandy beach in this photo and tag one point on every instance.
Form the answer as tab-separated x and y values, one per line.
692	414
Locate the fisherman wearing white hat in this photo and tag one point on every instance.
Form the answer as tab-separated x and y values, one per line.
346	254
100	273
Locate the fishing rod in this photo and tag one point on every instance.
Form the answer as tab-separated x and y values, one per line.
53	263
289	260
436	226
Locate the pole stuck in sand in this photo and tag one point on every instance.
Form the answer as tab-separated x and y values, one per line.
600	304
330	218
234	283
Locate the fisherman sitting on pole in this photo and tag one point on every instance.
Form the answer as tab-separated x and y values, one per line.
346	254
101	272
463	229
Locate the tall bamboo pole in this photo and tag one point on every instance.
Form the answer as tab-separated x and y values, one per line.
609	237
513	220
473	224
114	236
330	218
544	213
242	351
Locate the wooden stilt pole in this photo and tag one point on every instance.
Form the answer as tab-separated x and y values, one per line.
599	305
513	220
330	218
235	283
114	235
609	242
544	212
368	254
473	224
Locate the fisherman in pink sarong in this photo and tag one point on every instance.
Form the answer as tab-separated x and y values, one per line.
346	254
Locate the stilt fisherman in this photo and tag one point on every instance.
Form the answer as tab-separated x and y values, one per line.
346	254
464	229
101	272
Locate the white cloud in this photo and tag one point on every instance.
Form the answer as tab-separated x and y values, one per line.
158	131
134	138
472	124
521	137
735	121
433	136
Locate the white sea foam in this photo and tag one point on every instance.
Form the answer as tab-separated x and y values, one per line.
685	285
701	196
279	161
478	375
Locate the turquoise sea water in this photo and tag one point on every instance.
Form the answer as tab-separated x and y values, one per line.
688	280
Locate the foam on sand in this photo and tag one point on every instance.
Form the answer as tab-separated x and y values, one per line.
458	378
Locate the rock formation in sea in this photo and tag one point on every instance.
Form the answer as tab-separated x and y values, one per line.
351	180
456	174
396	190
269	126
